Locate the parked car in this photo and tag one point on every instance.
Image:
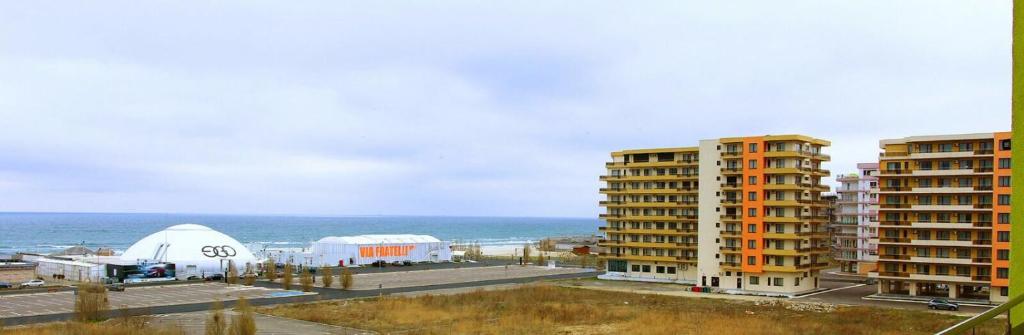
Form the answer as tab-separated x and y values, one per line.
33	283
943	304
119	287
215	277
397	263
379	263
4	284
407	263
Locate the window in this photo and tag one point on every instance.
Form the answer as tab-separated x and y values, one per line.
1004	163
752	228
659	269
1002	273
945	147
1003	236
1004	291
751	244
1003	254
752	180
752	147
751	260
926	165
751	212
646	268
966	146
1004	145
616	265
924	148
778	281
1004	218
752	164
636	268
1004	199
1004	181
755	280
752	196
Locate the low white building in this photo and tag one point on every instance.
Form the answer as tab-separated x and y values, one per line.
50	268
366	249
195	250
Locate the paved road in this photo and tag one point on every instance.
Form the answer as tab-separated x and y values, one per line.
136	297
371	281
321	294
852	294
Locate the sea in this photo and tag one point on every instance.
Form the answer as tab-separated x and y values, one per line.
51	232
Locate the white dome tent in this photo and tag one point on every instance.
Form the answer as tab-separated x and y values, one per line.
195	250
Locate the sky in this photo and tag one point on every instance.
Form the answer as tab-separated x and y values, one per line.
457	108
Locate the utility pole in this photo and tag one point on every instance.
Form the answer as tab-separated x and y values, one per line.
1017	164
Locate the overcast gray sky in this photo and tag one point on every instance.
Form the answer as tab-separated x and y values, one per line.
457	108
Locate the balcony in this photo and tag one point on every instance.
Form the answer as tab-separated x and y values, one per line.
732	153
732	185
731	170
894	240
736	233
605	216
729	264
900	257
894	206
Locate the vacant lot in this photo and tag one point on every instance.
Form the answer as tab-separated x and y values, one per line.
545	309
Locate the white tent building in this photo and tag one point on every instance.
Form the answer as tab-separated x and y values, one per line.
366	249
195	250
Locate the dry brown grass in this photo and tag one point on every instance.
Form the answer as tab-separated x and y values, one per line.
91	302
244	323
547	309
287	276
270	269
346	279
232	273
327	276
306	279
216	324
136	326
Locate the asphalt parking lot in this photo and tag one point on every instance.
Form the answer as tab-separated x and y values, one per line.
17	305
852	294
373	281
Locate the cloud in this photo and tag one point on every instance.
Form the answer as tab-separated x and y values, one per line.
457	108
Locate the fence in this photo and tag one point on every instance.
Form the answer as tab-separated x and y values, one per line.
969	326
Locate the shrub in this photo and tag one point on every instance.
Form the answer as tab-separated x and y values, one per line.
215	323
540	258
287	276
526	254
306	279
270	269
91	304
244	323
327	276
232	273
346	279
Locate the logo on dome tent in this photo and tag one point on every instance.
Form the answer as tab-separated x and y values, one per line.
219	251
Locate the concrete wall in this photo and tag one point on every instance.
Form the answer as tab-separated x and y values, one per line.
708	217
17	275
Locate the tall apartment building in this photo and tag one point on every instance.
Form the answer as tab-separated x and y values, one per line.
855	235
944	216
735	213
